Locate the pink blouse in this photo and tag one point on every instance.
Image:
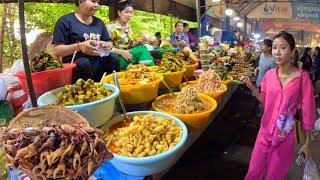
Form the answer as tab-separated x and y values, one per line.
281	103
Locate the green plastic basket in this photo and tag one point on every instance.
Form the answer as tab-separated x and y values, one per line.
6	112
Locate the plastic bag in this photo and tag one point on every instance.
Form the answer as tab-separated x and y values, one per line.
311	171
3	89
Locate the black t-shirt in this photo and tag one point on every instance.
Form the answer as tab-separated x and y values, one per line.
69	30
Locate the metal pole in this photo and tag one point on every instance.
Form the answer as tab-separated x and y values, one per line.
198	17
25	53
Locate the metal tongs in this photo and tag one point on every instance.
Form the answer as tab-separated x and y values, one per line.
116	82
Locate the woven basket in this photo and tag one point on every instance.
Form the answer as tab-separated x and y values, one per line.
45	116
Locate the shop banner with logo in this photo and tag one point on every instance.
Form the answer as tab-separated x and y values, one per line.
279	10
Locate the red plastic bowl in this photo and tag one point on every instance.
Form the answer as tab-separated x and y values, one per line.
47	80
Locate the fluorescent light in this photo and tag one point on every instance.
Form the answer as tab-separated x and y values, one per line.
236	18
215	1
229	12
239	24
256	36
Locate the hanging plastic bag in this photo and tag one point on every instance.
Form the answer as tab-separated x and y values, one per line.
3	89
311	171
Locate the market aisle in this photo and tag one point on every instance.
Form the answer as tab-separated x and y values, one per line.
207	159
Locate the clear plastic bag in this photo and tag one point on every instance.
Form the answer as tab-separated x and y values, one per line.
311	171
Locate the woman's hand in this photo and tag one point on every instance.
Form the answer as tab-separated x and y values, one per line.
107	45
246	80
256	71
306	150
87	48
126	54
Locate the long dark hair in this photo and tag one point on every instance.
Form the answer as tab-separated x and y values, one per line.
122	4
288	37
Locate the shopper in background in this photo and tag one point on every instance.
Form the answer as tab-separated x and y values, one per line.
306	59
266	63
129	49
192	39
280	94
179	38
79	31
316	63
210	31
158	39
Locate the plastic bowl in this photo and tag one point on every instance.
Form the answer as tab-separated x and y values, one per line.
194	121
173	79
144	166
217	95
97	113
228	81
137	94
45	81
190	69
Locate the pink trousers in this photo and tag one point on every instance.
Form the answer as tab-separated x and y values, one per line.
271	160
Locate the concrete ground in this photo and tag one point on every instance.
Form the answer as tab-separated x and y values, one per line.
223	151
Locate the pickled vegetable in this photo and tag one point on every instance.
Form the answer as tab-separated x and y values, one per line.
82	92
44	61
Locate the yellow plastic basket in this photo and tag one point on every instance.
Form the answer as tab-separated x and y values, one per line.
228	81
195	121
173	79
217	95
137	94
190	69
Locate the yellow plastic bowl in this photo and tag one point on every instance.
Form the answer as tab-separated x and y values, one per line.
195	121
137	94
173	79
228	81
217	95
190	69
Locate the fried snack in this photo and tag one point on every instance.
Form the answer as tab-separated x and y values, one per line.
82	92
145	136
53	152
137	74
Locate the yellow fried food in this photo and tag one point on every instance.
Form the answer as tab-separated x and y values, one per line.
145	136
137	74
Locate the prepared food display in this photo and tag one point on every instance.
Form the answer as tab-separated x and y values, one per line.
186	101
209	81
221	69
82	92
187	56
44	61
170	62
61	151
145	135
137	74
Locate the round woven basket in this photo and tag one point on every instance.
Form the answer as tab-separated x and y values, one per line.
45	116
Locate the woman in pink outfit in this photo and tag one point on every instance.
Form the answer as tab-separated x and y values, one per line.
274	148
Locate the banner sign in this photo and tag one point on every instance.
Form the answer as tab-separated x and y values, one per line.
306	11
279	10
